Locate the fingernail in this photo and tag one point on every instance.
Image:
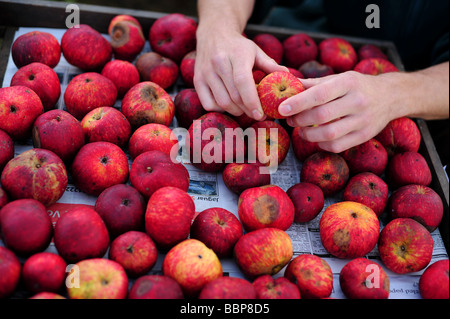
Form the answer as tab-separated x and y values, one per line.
257	114
285	109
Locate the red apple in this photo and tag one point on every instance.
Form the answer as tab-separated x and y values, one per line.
85	48
25	226
19	108
418	202
47	295
187	67
308	201
126	38
152	137
164	206
239	177
270	45
122	17
155	287
122	209
36	46
153	170
302	148
258	75
433	283
271	143
298	49
370	156
338	53
42	79
375	66
275	88
327	170
99	165
408	168
123	74
106	124
349	229
362	278
228	288
312	275
147	102
217	228
99	278
81	234
368	51
400	135
60	132
173	35
156	68
263	251
188	107
37	173
214	140
44	272
192	264
314	69
6	149
10	269
88	91
268	287
297	73
368	189
135	251
3	198
265	206
405	246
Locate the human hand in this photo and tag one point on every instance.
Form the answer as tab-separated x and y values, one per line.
223	74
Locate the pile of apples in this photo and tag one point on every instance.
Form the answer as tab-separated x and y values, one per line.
125	157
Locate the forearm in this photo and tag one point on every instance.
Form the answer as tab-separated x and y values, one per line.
422	94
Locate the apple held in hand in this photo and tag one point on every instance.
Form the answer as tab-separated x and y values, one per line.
349	229
123	74
19	108
400	135
312	275
60	132
418	202
368	189
228	288
106	124
99	165
308	201
42	79
88	91
362	278
275	88
36	46
135	251
147	102
327	170
405	246
122	208
164	206
85	48
217	228
239	177
44	272
152	137
263	251
154	170
10	268
338	53
26	226
192	264
268	287
99	278
265	206
37	173
173	36
156	68
155	287
81	234
433	284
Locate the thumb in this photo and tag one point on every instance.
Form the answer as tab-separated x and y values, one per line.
266	64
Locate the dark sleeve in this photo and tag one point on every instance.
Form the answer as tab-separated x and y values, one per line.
440	52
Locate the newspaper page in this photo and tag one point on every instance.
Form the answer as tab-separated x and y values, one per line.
208	190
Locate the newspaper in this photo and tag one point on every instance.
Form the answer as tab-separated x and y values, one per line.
208	190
